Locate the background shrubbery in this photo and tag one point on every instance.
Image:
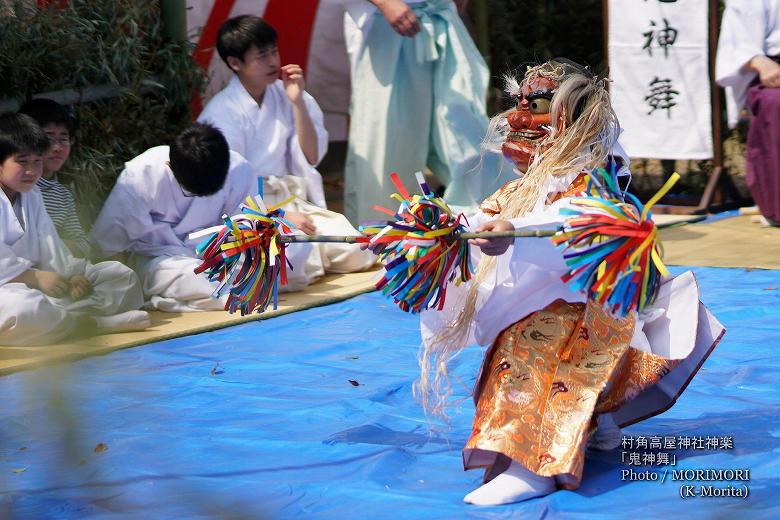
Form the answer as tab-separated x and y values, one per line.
122	46
118	46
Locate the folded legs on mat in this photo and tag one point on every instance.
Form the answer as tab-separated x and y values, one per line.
124	322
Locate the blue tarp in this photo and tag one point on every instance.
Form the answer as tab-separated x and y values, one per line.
262	421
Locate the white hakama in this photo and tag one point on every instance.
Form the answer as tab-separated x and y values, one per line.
28	316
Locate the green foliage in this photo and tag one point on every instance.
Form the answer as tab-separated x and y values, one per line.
121	44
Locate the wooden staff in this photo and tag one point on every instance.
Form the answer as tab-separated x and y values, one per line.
518	233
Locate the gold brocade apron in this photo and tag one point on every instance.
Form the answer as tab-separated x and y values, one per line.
543	382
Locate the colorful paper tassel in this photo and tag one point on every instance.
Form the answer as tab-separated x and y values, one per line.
247	257
611	245
419	249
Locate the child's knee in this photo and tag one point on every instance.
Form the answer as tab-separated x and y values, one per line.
31	319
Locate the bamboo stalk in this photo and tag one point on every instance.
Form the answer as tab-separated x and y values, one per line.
295	239
517	233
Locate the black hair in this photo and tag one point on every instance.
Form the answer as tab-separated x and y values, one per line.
200	159
47	112
19	133
236	35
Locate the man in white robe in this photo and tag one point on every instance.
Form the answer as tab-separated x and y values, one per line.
748	66
150	214
265	135
279	128
45	293
419	87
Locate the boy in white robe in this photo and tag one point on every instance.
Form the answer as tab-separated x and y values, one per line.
165	194
45	293
279	128
58	123
419	86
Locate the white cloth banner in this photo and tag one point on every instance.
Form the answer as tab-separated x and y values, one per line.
658	60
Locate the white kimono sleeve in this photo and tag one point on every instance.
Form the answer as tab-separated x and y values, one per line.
527	276
299	165
125	224
742	37
11	265
240	184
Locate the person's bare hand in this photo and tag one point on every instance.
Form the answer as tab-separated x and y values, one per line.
494	246
294	82
51	284
768	71
302	222
400	16
80	287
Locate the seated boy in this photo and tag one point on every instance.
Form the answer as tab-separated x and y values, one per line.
45	293
58	124
278	127
165	194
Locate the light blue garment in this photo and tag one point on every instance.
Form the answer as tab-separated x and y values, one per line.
416	102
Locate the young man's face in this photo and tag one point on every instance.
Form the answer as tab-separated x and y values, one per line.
20	172
60	149
259	68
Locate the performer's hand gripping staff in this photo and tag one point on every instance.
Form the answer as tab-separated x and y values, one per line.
609	242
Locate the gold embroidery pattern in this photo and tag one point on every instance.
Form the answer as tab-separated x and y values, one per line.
541	383
494	204
640	371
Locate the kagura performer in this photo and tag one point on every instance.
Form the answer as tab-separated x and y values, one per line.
560	373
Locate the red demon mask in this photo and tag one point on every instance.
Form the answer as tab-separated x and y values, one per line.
530	122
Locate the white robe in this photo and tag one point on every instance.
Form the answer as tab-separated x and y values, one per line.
358	17
148	215
266	136
527	278
749	28
28	316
